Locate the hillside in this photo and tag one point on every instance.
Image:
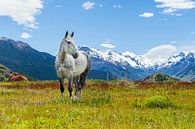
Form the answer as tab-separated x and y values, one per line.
159	77
4	73
21	58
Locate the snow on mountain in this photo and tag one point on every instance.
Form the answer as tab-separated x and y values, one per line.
112	56
136	61
3	38
129	54
174	59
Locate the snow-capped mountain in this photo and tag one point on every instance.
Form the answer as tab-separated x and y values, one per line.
107	64
112	57
139	66
20	57
136	61
181	66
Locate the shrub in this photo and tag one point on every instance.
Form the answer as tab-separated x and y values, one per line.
158	102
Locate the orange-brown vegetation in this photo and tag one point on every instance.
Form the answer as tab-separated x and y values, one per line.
15	77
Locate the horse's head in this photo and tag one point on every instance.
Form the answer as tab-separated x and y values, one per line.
69	45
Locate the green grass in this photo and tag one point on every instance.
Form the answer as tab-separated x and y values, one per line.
114	104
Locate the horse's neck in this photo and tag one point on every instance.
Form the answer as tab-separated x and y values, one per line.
62	54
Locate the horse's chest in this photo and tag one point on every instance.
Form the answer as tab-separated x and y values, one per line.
66	69
68	65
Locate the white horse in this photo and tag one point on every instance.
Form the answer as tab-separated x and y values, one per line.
71	64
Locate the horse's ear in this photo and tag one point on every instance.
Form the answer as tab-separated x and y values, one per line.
66	34
72	34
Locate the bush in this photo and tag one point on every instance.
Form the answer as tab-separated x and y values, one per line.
158	102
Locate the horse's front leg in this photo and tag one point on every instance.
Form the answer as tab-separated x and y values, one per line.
61	86
70	87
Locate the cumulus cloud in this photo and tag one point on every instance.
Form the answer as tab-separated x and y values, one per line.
25	35
161	52
88	5
107	45
22	12
146	15
171	6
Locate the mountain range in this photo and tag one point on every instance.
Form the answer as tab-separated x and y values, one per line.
112	64
20	57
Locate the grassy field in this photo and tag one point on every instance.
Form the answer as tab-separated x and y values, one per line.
105	105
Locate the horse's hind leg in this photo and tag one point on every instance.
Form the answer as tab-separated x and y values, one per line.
82	81
70	87
61	86
75	80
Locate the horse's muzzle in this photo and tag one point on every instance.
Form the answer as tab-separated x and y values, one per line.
75	56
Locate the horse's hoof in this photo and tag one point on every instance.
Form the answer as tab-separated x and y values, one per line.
62	95
75	98
71	98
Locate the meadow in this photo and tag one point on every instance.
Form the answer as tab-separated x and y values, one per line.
104	105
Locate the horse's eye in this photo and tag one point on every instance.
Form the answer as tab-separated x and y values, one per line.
68	42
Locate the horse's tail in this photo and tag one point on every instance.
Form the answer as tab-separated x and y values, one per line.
83	76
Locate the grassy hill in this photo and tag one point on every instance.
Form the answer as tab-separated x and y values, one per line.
4	73
159	77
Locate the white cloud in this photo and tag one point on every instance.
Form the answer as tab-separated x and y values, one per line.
100	5
173	42
146	15
161	53
88	5
116	6
187	48
21	11
164	19
25	35
58	6
171	6
178	14
107	45
193	33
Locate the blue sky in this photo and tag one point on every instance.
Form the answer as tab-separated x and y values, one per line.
141	26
